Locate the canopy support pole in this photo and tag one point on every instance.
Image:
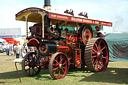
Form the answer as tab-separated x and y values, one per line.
43	15
26	26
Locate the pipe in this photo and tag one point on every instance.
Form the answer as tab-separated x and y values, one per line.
47	3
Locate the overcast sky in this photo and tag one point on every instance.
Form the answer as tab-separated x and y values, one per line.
115	11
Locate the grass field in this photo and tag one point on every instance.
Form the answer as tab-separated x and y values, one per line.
116	74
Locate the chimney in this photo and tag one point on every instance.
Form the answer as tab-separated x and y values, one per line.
47	5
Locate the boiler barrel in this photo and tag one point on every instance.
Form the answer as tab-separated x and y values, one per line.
47	47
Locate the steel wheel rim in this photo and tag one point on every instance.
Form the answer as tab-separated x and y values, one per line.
96	55
100	55
30	64
58	66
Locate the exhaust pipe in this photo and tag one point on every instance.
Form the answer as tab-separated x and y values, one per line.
47	5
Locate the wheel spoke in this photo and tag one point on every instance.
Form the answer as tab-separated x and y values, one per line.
96	46
26	64
56	61
37	67
101	64
54	72
55	69
61	58
101	61
63	70
99	43
94	50
54	65
29	70
59	74
94	56
103	48
32	58
97	65
104	57
32	71
64	63
28	59
95	62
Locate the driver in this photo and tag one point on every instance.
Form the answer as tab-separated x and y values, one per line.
99	32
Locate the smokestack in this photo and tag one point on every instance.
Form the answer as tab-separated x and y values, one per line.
47	5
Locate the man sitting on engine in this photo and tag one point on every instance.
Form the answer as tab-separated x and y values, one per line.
99	32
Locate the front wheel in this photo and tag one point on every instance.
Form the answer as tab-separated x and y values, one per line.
30	64
58	66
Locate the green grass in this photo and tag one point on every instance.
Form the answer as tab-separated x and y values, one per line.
116	74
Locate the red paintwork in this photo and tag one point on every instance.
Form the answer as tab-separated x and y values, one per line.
71	38
67	50
100	62
58	65
33	41
63	49
77	57
78	19
87	34
66	17
43	51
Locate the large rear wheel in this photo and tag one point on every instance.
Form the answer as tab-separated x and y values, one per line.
96	55
86	33
58	66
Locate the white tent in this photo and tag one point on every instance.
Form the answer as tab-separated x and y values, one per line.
2	40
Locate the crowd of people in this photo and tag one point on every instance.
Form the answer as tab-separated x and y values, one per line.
17	49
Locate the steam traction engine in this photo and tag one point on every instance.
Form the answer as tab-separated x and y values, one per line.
62	41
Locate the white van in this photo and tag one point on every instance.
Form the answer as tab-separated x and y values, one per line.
3	43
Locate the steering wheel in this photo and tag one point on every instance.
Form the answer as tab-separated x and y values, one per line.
56	34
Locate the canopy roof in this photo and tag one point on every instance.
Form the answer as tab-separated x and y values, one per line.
34	14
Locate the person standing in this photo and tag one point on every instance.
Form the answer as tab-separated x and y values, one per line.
11	48
7	49
14	47
17	50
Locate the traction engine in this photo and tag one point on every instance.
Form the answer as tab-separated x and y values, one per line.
62	41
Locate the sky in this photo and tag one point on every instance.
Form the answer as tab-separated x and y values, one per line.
115	11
